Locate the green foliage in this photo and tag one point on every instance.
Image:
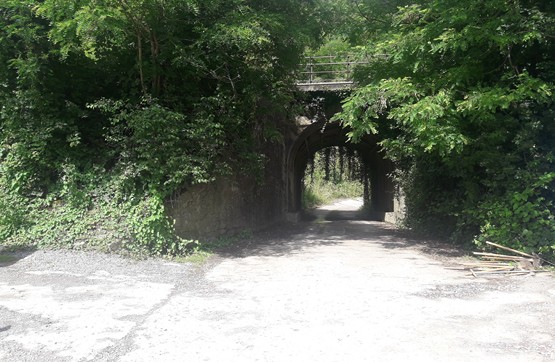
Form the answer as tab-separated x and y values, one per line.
321	192
183	153
330	62
333	45
14	213
92	210
461	93
332	173
110	107
504	218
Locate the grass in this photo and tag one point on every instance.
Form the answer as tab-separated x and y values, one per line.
320	192
197	257
198	254
204	250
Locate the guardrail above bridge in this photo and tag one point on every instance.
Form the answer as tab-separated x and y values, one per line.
328	72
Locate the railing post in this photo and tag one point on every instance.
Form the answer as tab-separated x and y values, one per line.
311	70
348	74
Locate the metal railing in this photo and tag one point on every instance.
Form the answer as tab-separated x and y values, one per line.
328	70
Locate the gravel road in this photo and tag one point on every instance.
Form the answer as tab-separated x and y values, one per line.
330	289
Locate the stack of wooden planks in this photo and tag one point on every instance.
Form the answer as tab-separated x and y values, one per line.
492	263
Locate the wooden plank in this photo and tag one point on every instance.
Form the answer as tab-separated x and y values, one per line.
509	249
495	268
506	272
488	262
499	256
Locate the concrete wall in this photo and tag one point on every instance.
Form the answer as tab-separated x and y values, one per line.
397	216
235	203
225	206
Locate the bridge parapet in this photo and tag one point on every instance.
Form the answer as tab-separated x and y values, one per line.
328	72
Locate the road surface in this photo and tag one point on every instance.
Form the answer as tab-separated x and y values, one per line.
330	289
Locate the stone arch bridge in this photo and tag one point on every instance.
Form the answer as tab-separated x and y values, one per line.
317	134
233	204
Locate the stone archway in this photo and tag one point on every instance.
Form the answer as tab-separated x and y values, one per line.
322	134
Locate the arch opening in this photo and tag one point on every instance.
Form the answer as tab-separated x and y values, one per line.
320	135
336	174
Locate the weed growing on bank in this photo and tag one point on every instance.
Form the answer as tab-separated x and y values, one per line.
92	211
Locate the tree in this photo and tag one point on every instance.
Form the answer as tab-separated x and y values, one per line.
109	107
462	93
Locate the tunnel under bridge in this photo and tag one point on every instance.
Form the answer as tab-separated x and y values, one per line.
321	134
239	201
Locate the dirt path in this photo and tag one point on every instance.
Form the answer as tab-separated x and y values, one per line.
332	289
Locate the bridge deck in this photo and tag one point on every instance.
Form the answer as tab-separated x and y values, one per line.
325	86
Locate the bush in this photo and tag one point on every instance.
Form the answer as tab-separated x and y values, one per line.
92	210
523	218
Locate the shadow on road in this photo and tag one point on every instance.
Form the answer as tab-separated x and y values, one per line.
330	226
334	215
8	258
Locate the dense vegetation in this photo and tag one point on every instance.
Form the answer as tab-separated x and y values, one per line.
107	108
462	92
